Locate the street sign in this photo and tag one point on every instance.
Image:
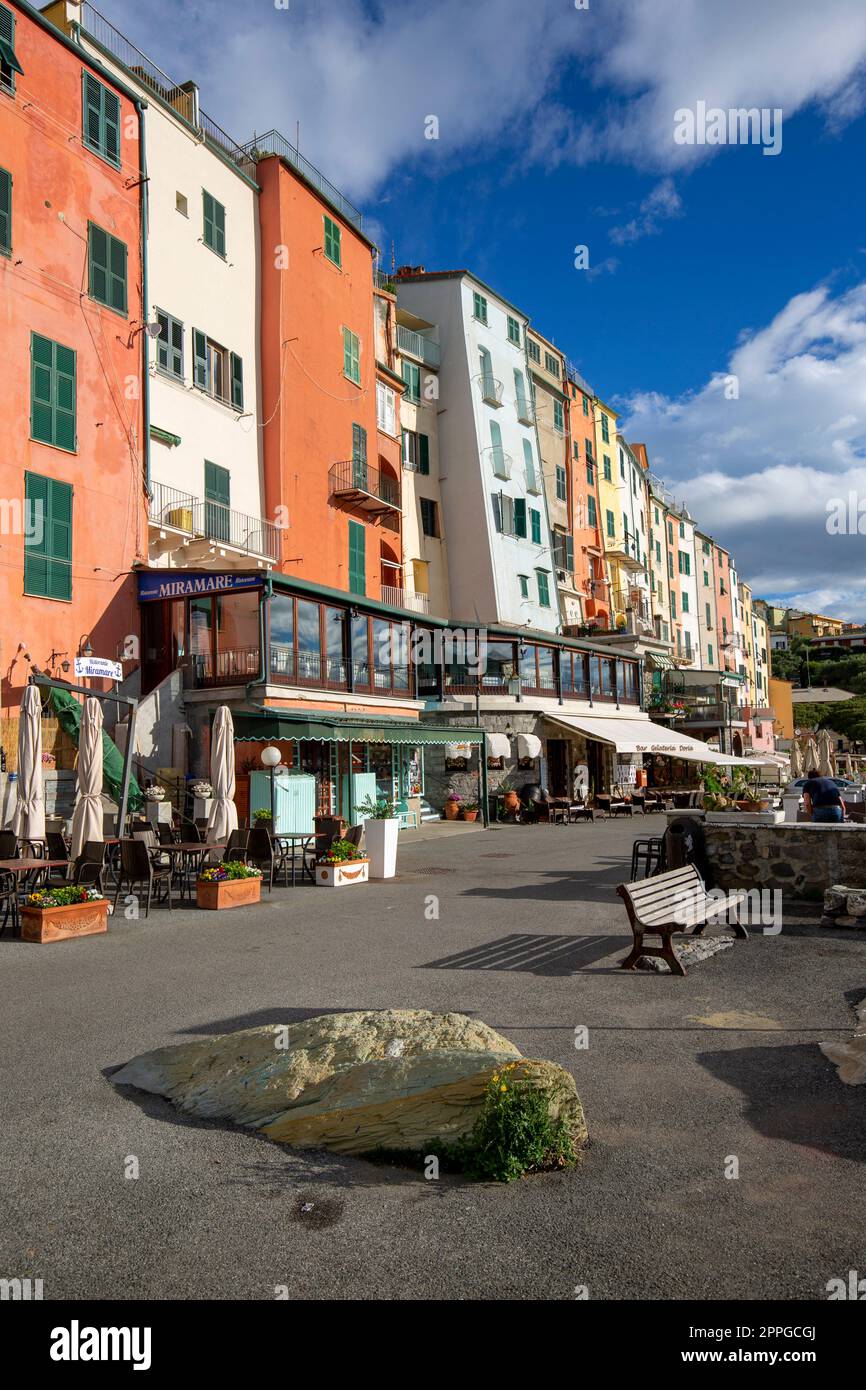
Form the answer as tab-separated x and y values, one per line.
99	667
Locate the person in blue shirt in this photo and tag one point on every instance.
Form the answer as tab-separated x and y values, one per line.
822	798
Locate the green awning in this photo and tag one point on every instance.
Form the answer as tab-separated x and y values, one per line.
278	725
7	53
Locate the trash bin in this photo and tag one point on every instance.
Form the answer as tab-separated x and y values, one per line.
685	843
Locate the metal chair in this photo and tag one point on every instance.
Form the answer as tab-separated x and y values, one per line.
137	868
9	900
90	865
648	852
166	834
403	814
267	855
236	847
8	844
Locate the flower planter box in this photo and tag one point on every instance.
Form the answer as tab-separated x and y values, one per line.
228	892
380	842
45	924
342	875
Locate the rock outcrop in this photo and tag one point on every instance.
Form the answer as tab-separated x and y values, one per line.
351	1082
849	1057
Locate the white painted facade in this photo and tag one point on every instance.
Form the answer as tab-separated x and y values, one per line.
687	625
217	295
486	452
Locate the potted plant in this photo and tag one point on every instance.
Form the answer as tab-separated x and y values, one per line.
452	805
233	884
56	914
510	799
262	817
381	828
470	811
343	865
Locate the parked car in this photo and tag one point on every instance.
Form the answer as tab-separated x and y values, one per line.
843	783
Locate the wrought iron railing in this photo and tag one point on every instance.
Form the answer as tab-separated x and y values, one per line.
491	389
416	345
404	598
235	665
354	475
213	521
274	143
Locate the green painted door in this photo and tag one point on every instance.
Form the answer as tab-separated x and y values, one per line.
217	492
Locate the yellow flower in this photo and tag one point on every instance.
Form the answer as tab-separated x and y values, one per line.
503	1088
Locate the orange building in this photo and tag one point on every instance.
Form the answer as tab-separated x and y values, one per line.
73	457
324	460
589	568
724	607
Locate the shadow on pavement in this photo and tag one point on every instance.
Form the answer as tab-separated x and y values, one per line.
535	955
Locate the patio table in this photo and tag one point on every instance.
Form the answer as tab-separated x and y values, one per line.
23	867
189	851
292	838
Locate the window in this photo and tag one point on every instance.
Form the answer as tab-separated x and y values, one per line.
429	516
523	412
607	471
351	356
169	344
217	496
670	533
684	561
412	378
9	63
706	547
48	559
621	464
611	524
605	429
386	408
416	452
670	566
591	513
501	464
106	260
529	465
333	235
101	119
52	393
558	417
535	526
357	558
520	517
523	580
543	588
181	204
490	388
673	604
214	223
658	552
685	603
533	349
421	576
513	331
217	371
551	364
682	530
561	483
709	655
706	580
656	511
586	405
5	212
479	307
563	551
590	473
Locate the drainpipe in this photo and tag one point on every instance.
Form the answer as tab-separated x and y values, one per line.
145	307
264	632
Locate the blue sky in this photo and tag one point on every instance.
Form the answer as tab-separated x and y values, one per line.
556	130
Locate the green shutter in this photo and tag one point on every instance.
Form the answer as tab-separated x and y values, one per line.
100	119
423	453
237	381
214	216
199	359
52	393
106	257
5	212
7	45
117	274
351	356
217	492
519	516
220	227
333	239
357	558
535	522
48	556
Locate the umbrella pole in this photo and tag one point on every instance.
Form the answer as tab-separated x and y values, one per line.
127	768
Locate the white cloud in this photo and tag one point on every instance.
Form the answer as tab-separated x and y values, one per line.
759	469
661	203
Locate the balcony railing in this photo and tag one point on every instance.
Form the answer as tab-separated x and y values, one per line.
288	667
499	461
416	345
491	389
361	485
525	411
172	509
275	143
404	598
234	666
181	98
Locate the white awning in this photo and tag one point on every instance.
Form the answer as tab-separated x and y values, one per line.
498	746
642	736
458	750
528	745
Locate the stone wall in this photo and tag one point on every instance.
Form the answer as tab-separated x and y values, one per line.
801	859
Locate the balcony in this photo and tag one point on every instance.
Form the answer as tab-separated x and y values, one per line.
416	345
208	529
354	483
623	549
499	461
310	669
233	666
711	713
491	389
405	598
525	411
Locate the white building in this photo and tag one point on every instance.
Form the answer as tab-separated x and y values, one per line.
206	505
687	616
500	560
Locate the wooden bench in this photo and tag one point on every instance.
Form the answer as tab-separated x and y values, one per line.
670	903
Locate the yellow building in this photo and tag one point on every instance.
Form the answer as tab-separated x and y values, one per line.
812	625
614	510
782	706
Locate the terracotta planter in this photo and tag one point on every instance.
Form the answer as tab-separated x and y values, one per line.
452	810
752	805
470	815
228	892
342	875
45	924
511	802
